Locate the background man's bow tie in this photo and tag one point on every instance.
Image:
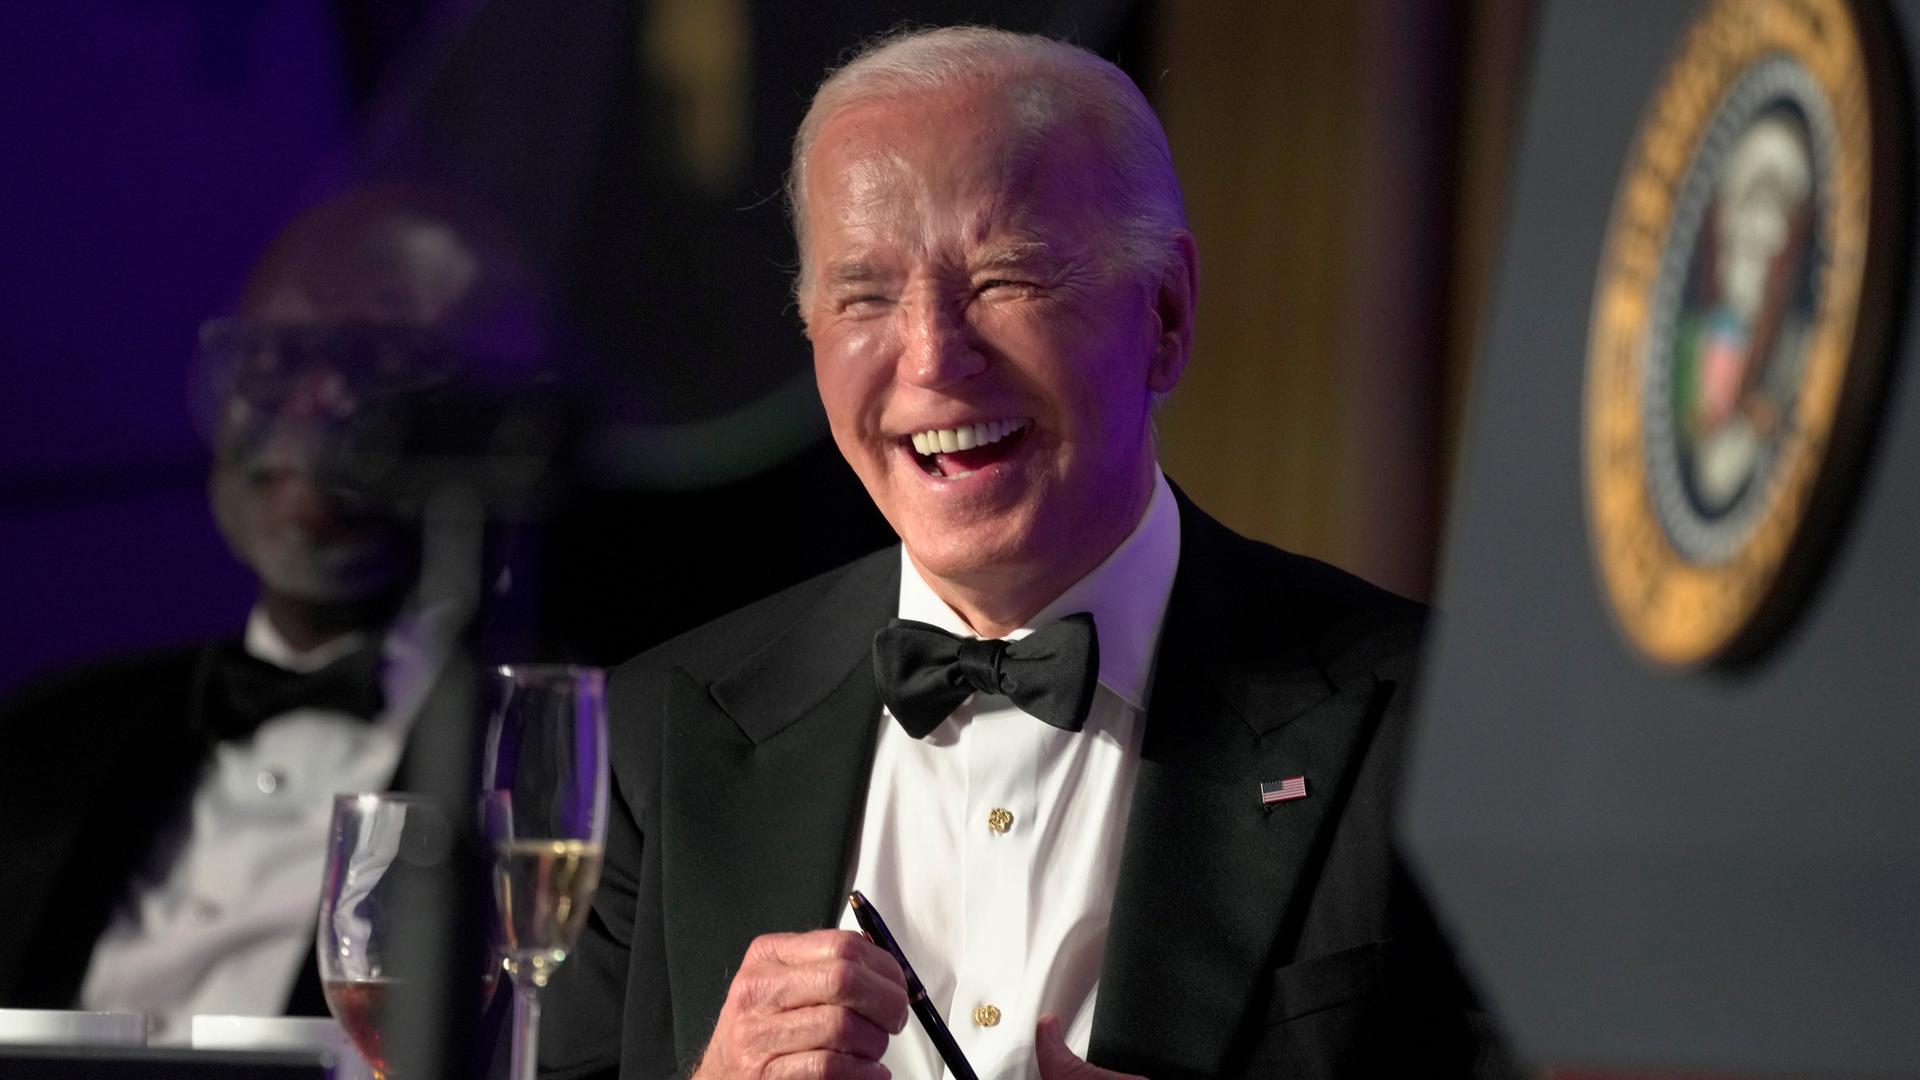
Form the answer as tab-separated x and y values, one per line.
244	691
924	673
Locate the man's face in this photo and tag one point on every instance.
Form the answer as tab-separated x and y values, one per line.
299	373
279	487
961	282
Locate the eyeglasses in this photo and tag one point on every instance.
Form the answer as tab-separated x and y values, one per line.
262	362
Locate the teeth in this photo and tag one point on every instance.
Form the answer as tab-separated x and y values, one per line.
948	440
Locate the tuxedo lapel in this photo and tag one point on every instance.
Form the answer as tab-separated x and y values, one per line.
764	776
1209	877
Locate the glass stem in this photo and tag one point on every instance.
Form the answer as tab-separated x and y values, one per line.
526	1029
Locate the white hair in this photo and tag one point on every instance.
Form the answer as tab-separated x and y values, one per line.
1046	83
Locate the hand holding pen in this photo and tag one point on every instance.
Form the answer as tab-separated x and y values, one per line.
872	925
820	1004
1055	1059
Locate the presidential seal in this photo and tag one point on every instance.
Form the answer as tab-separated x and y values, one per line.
1740	323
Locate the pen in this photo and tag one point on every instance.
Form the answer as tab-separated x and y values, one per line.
936	1028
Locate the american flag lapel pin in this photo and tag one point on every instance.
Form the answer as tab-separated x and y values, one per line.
1279	791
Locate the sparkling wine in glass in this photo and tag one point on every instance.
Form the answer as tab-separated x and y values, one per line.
544	810
380	851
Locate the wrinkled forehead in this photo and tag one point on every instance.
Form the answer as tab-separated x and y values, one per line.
972	164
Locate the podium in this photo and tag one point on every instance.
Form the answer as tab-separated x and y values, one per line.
1666	788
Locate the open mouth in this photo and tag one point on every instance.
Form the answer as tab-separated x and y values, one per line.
951	453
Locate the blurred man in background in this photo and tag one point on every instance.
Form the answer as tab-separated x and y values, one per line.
163	818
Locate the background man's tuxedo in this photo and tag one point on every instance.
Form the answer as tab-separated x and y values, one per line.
95	767
1244	941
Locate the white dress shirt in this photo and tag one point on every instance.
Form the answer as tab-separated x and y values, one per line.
990	847
221	917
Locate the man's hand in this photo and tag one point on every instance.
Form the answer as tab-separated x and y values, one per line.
1059	1063
806	1006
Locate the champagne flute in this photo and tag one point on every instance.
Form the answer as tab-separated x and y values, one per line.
380	850
544	809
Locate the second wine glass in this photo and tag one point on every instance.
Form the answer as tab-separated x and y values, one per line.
381	850
544	810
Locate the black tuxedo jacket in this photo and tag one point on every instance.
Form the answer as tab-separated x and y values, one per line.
1244	940
95	767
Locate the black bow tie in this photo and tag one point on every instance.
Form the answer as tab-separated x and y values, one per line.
924	673
244	691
